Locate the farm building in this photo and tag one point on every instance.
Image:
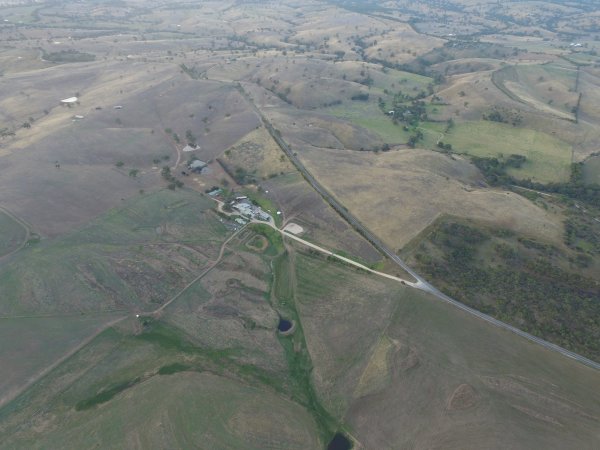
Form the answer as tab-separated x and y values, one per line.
197	165
246	208
189	148
69	101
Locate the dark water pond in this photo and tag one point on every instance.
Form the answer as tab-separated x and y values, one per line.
339	442
284	325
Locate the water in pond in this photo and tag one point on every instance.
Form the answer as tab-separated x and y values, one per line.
339	442
284	325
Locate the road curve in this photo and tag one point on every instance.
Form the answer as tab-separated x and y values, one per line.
378	244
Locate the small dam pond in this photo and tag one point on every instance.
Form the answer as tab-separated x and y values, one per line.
339	442
284	325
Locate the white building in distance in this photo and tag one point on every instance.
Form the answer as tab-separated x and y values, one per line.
70	100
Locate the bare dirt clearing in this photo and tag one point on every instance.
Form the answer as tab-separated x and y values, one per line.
294	228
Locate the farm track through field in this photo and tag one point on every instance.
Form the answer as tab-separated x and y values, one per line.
202	274
378	244
45	371
417	284
27	233
34	379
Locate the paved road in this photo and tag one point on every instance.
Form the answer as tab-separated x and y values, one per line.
377	243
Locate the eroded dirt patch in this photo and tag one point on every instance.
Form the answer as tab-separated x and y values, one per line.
463	397
537	415
294	228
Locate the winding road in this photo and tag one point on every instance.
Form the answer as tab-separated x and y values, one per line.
378	244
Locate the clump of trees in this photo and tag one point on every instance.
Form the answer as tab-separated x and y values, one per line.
242	176
190	137
504	116
415	138
444	146
168	176
582	231
495	170
405	109
193	72
363	97
513	279
67	56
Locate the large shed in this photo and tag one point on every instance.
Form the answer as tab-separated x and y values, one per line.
70	100
197	165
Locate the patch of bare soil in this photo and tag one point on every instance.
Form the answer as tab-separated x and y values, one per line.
293	228
463	397
87	275
537	415
406	359
510	386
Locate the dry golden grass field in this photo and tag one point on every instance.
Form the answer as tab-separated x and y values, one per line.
398	194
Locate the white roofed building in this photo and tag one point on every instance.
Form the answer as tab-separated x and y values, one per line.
70	100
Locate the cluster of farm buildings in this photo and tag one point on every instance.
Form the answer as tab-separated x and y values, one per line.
248	209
